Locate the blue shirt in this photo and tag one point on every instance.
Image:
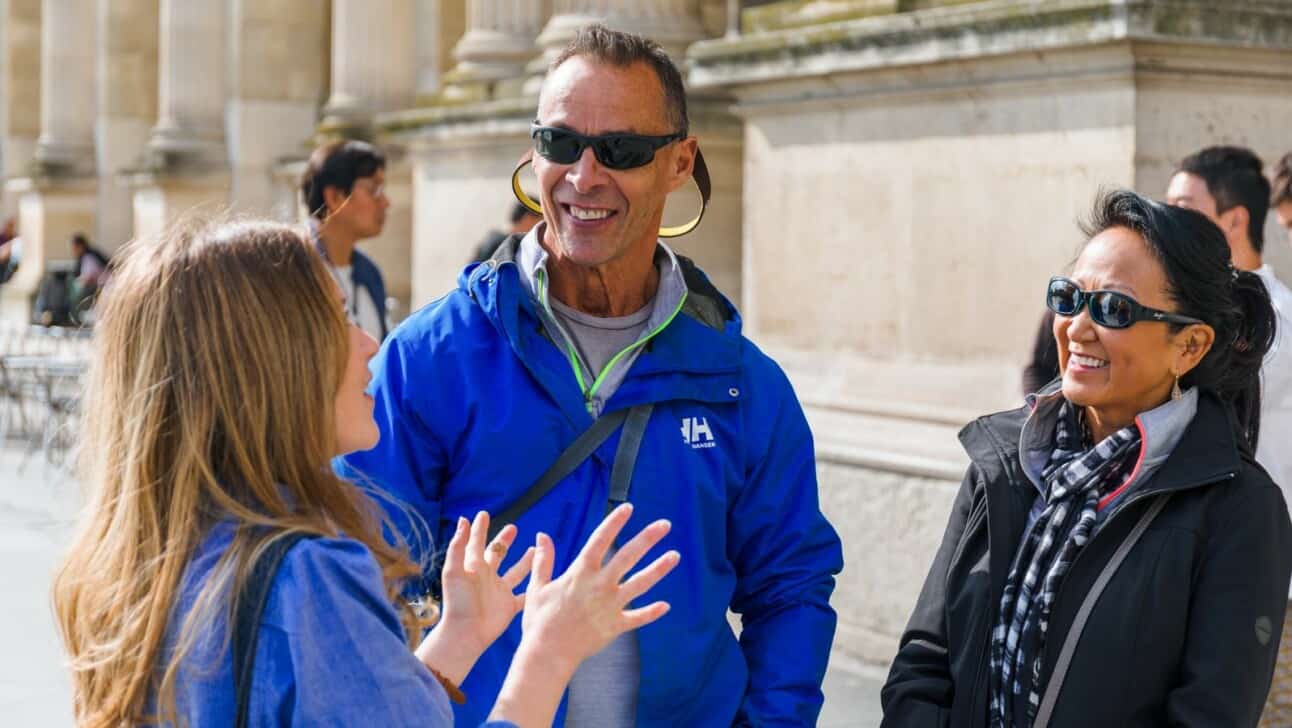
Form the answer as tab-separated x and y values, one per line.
331	648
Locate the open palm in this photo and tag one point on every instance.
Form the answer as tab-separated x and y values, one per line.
479	603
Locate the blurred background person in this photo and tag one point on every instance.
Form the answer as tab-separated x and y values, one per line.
89	273
344	189
1227	185
10	249
1281	194
521	220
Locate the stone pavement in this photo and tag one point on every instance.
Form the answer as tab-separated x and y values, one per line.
37	511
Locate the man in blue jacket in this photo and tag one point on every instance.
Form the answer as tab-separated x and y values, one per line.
590	319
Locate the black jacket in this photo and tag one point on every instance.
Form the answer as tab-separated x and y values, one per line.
1187	630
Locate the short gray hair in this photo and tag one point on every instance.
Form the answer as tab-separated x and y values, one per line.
620	49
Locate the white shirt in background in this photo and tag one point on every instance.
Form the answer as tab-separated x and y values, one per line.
1274	449
361	308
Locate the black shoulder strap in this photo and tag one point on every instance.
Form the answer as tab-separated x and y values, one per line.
577	452
248	608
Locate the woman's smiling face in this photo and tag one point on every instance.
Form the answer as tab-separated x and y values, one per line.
1118	373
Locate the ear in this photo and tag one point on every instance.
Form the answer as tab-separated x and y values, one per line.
682	162
333	198
1236	219
1191	345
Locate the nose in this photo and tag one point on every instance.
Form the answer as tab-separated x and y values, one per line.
586	174
1080	326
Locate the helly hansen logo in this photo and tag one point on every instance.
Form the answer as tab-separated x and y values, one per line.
696	432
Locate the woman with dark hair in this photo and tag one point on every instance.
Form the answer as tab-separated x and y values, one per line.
1115	555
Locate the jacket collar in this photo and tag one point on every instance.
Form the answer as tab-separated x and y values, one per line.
704	340
1207	451
1160	431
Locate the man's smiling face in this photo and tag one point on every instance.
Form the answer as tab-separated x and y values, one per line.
594	214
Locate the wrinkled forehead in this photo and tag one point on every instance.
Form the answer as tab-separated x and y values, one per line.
590	97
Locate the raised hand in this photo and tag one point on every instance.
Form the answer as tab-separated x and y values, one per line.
478	602
574	616
579	613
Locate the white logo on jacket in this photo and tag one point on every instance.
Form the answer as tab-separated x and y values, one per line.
696	432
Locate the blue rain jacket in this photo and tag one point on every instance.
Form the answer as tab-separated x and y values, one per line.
474	402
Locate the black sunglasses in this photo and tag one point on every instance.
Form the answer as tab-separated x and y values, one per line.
615	151
1109	309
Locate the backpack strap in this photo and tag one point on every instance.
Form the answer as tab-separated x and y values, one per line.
580	450
248	608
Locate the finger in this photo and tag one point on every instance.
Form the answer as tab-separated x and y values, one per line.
497	550
636	618
642	581
593	553
476	544
519	570
544	558
453	557
636	548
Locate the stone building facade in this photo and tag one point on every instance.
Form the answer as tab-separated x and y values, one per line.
894	180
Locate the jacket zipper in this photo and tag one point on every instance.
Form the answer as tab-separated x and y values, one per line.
576	363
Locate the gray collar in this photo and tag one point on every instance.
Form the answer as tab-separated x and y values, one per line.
531	260
1160	428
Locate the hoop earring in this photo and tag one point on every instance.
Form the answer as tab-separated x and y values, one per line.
700	174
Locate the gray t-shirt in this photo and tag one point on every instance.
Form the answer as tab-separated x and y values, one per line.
603	691
599	339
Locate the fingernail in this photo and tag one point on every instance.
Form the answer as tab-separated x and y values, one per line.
481	513
462	523
674	556
664	522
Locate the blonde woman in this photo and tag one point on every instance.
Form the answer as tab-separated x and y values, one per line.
226	377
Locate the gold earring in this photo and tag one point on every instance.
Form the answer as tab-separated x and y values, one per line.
1175	389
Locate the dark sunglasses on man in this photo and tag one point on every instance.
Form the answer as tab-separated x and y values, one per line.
614	151
1109	309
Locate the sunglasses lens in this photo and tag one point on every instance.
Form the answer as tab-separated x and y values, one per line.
1111	310
1062	297
624	152
557	146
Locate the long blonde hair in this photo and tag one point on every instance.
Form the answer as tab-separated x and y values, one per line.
218	355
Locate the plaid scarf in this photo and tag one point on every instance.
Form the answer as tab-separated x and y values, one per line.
1076	477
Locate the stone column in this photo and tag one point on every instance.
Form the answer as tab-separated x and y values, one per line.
57	197
269	114
127	109
374	65
498	42
193	86
66	144
674	24
20	105
187	163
